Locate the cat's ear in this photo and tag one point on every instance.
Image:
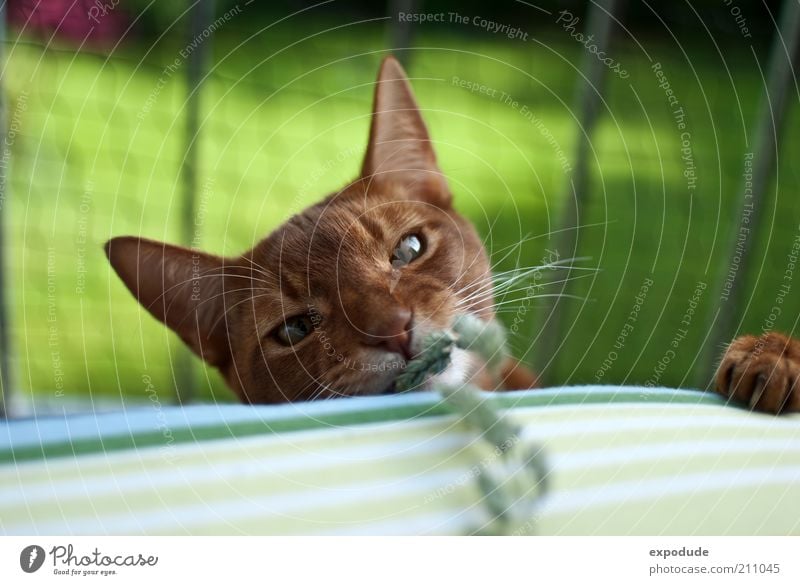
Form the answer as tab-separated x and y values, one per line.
400	149
181	288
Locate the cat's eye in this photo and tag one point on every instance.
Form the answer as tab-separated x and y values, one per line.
409	248
294	330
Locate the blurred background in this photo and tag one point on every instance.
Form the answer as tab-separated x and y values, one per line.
656	142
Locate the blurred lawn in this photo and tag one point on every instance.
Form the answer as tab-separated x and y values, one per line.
278	134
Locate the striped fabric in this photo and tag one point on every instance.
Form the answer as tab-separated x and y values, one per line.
623	460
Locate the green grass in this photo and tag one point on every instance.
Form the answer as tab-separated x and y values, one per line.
279	134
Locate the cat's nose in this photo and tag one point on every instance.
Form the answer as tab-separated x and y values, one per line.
392	332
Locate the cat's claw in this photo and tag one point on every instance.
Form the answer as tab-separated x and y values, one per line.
762	372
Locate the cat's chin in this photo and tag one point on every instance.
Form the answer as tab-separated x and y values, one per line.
382	379
463	366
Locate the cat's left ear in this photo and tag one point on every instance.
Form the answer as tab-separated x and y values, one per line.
400	150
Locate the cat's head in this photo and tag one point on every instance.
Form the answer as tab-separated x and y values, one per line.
336	300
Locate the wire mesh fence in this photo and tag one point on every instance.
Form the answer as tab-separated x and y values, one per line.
227	122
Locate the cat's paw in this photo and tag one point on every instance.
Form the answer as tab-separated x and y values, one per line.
762	372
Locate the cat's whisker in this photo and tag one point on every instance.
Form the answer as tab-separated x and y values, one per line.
520	272
260	269
505	287
553	295
331	387
481	284
510	308
561	263
211	298
221	269
317	392
497	216
216	272
231	275
206	274
313	388
519	299
322	387
231	291
334	393
526	238
529	237
504	280
499	298
233	306
524	286
478	296
516	273
254	263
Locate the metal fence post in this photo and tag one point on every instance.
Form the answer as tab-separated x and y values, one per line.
200	18
764	144
599	25
400	31
5	345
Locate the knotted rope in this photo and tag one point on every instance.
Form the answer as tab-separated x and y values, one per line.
511	497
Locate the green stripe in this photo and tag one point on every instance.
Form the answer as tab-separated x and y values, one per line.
554	426
760	508
766	510
338	419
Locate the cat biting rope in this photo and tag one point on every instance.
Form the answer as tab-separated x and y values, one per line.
509	500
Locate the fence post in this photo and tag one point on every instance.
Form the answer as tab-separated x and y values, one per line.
764	146
599	25
200	18
5	344
400	31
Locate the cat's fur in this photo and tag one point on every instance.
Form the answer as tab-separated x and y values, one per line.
333	263
762	372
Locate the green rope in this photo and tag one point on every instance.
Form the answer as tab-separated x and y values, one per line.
507	496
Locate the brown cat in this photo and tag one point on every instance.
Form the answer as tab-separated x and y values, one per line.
336	300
